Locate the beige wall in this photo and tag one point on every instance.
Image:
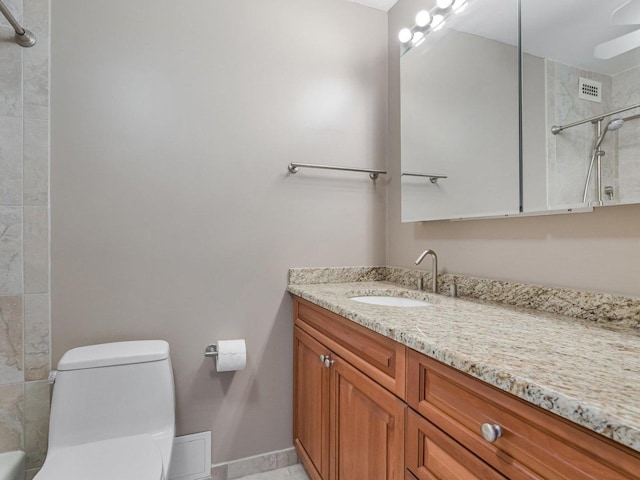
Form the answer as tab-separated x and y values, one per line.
596	251
173	215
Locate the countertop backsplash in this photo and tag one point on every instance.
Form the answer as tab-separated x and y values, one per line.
615	311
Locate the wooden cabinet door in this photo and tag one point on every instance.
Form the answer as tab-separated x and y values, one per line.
367	427
311	405
432	455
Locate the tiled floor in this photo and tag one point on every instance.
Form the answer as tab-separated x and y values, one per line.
294	472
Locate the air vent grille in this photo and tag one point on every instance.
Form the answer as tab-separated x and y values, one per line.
590	90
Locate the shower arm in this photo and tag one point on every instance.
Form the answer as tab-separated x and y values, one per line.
24	37
556	129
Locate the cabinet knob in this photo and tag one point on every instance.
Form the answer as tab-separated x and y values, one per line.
326	359
491	432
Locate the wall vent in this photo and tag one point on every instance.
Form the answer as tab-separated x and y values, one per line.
590	90
191	458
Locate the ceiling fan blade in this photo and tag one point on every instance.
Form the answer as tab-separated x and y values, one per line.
617	46
627	14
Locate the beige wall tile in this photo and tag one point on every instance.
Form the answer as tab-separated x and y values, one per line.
10	159
10	74
31	473
11	417
36	162
11	346
36	250
36	422
37	362
36	61
11	250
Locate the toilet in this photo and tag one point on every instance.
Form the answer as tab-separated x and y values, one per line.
112	413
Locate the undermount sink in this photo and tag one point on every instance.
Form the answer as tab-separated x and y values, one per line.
391	301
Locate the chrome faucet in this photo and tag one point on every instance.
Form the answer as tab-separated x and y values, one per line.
434	267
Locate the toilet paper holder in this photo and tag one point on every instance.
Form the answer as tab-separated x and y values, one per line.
211	351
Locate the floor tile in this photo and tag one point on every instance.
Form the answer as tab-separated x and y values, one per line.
294	472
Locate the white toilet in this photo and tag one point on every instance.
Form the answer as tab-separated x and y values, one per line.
112	413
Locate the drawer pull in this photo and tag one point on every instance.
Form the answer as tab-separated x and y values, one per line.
491	432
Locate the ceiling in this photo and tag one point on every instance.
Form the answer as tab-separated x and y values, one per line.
379	4
566	31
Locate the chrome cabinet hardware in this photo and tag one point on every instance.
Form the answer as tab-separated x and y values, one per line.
491	431
326	359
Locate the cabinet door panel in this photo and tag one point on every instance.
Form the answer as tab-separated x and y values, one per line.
367	439
311	405
432	455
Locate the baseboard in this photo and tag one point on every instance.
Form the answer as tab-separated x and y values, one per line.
257	464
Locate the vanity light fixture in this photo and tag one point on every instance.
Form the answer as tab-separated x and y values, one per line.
444	4
460	5
405	35
418	38
438	21
429	21
423	18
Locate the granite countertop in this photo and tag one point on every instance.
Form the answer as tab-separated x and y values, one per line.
574	368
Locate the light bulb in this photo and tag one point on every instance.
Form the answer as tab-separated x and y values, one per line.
405	35
460	5
443	4
423	18
417	38
437	21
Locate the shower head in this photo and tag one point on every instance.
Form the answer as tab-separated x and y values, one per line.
615	124
612	126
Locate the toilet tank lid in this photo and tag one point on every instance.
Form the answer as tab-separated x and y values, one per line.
111	354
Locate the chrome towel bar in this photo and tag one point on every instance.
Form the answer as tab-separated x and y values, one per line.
373	174
433	178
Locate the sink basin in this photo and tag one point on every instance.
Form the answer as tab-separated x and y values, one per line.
391	301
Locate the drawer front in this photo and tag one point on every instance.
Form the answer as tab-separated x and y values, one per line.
379	357
535	444
432	455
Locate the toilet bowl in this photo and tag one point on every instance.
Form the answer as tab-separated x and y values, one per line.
112	413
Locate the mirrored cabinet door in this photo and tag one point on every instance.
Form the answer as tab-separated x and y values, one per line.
581	103
460	113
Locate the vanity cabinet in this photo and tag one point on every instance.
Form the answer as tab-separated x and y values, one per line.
534	444
367	407
346	425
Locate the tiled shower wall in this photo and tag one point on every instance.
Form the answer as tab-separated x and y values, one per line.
24	234
570	152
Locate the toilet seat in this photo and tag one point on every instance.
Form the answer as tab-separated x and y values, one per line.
126	458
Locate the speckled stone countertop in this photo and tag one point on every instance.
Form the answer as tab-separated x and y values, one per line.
577	369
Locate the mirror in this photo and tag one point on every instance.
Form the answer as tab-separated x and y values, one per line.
580	94
581	103
460	114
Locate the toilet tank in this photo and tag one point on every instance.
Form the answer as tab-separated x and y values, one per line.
113	390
